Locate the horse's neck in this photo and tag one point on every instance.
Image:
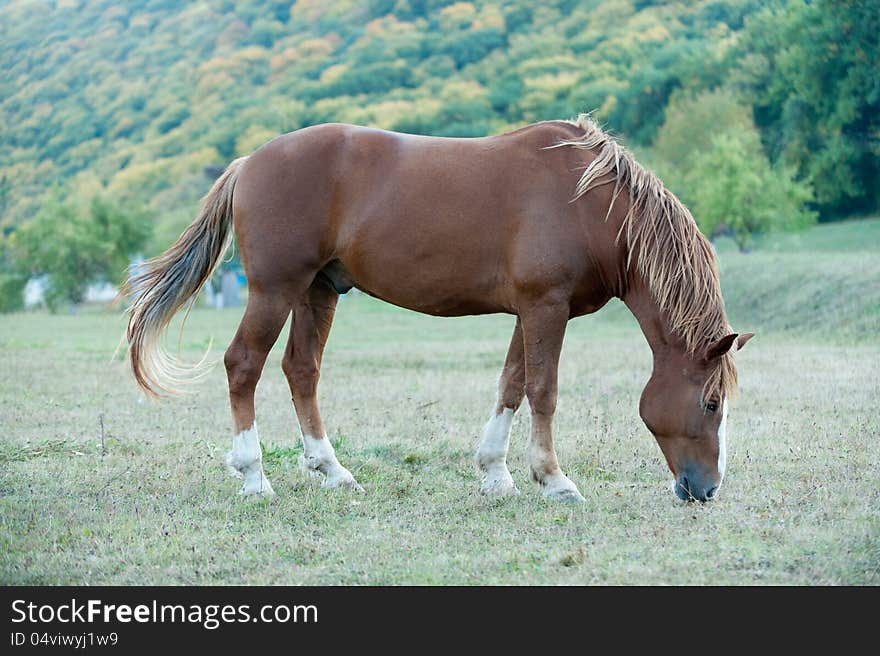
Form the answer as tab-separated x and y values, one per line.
640	301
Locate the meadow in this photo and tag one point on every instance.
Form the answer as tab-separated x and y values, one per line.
100	486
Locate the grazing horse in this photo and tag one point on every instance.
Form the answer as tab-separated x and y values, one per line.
546	223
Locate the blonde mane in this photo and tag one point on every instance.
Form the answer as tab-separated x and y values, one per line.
671	253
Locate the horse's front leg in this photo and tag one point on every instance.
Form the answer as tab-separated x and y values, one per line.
492	451
543	331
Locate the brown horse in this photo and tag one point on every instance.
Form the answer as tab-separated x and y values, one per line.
546	223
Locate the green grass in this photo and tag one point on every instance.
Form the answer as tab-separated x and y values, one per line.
404	397
856	235
820	281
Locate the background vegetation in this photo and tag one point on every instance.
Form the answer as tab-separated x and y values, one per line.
758	114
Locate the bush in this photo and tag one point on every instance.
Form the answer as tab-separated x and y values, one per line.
76	247
709	152
734	189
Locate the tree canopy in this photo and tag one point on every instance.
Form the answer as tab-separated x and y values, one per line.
131	101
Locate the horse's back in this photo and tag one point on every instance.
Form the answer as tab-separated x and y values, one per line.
436	224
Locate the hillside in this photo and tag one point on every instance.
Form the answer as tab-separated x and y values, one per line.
824	281
132	100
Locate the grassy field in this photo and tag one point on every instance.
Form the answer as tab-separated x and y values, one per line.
404	398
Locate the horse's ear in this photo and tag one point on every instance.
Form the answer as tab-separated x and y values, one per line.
722	346
742	339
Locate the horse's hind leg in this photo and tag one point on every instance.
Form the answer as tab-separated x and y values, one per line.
263	319
309	331
492	451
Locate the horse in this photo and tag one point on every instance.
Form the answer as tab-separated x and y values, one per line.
546	223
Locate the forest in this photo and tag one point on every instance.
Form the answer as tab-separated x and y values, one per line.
760	115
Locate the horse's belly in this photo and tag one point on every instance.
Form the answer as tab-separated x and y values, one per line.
434	286
438	307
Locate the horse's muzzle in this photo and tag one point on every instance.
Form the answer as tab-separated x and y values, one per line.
692	489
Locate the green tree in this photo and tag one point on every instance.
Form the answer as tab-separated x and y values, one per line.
734	189
75	247
810	71
709	153
12	280
692	122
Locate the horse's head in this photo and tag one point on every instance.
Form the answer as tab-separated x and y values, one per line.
688	417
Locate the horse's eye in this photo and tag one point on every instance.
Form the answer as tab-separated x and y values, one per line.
711	406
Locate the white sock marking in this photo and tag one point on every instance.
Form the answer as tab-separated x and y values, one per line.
319	456
246	459
496	438
492	454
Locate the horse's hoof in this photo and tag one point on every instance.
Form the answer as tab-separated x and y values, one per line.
499	486
343	483
562	490
257	488
335	475
566	496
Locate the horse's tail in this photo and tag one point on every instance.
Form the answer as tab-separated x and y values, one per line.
160	286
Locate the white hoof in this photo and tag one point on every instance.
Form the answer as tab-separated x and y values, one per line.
565	496
559	488
334	475
257	485
342	480
498	482
255	481
245	460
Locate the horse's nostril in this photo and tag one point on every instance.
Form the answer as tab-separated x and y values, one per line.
711	493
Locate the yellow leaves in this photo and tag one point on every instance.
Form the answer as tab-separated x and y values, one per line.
252	138
655	33
542	91
333	73
553	83
36	116
560	63
318	46
215	64
156	173
234	33
490	17
222	71
459	12
250	54
282	59
88	184
214	81
389	113
309	11
311	49
377	26
463	90
341	108
608	106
